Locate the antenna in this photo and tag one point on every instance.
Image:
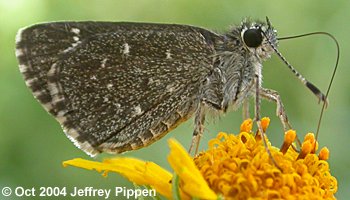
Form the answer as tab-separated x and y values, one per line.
307	83
325	103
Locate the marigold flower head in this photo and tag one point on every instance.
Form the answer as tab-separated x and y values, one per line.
239	167
233	167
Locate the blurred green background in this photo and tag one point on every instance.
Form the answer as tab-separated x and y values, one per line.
33	146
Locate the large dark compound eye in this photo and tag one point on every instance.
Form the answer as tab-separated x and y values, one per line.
252	37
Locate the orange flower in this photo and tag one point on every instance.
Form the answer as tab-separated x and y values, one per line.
238	167
234	167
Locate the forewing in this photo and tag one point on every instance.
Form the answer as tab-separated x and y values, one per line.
115	86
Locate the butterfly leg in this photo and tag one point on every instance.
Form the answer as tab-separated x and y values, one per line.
198	129
258	91
245	109
273	95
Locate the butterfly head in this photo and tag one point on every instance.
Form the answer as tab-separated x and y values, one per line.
259	38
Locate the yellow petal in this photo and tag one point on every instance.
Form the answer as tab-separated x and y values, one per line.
265	121
192	181
247	125
137	171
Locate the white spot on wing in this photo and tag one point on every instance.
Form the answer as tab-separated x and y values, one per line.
23	68
150	80
31	81
103	63
48	107
167	124
53	89
93	77
75	38
19	35
109	85
58	100
152	132
72	47
37	93
61	114
75	44
168	54
68	49
72	134
138	110
126	48
19	52
75	30
170	88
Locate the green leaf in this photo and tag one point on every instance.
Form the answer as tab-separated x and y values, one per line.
175	187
